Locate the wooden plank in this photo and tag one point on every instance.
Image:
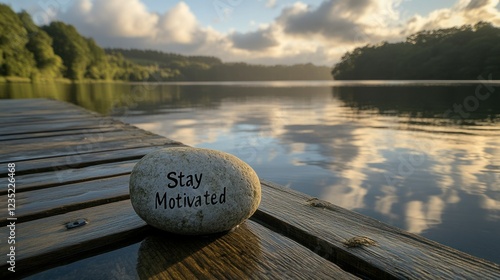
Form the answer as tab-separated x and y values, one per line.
42	108
37	151
36	181
24	105
90	122
325	227
61	116
8	106
35	115
56	200
17	104
49	110
53	243
120	132
78	131
52	107
64	163
249	251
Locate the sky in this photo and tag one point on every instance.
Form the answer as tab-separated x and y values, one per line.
257	31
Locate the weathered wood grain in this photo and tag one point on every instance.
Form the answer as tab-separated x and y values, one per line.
39	106
47	241
249	251
55	126
49	179
47	119
56	200
79	160
27	116
38	135
35	120
22	105
324	228
85	137
43	116
70	148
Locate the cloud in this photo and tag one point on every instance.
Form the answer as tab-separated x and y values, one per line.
256	40
129	24
119	18
299	33
477	4
462	12
114	20
271	3
342	21
305	21
178	25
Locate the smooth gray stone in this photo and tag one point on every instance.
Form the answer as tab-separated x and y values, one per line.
194	191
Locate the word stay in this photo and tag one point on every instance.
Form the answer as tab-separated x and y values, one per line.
183	180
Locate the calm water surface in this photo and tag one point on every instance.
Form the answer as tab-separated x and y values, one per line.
422	157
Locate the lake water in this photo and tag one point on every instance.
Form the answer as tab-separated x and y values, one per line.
424	157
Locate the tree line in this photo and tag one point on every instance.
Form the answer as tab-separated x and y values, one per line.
208	68
458	53
58	51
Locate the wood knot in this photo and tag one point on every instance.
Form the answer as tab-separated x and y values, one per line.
314	202
359	241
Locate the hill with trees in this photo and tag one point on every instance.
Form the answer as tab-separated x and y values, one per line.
208	68
459	53
55	51
58	51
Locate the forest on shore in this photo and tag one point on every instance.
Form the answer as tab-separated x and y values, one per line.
57	51
459	53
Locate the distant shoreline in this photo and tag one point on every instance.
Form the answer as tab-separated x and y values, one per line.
265	83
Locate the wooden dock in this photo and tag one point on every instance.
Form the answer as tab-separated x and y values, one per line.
71	164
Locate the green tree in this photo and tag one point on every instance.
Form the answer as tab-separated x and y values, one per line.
15	60
71	47
39	44
98	67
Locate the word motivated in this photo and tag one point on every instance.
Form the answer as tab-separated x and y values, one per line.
11	208
185	200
